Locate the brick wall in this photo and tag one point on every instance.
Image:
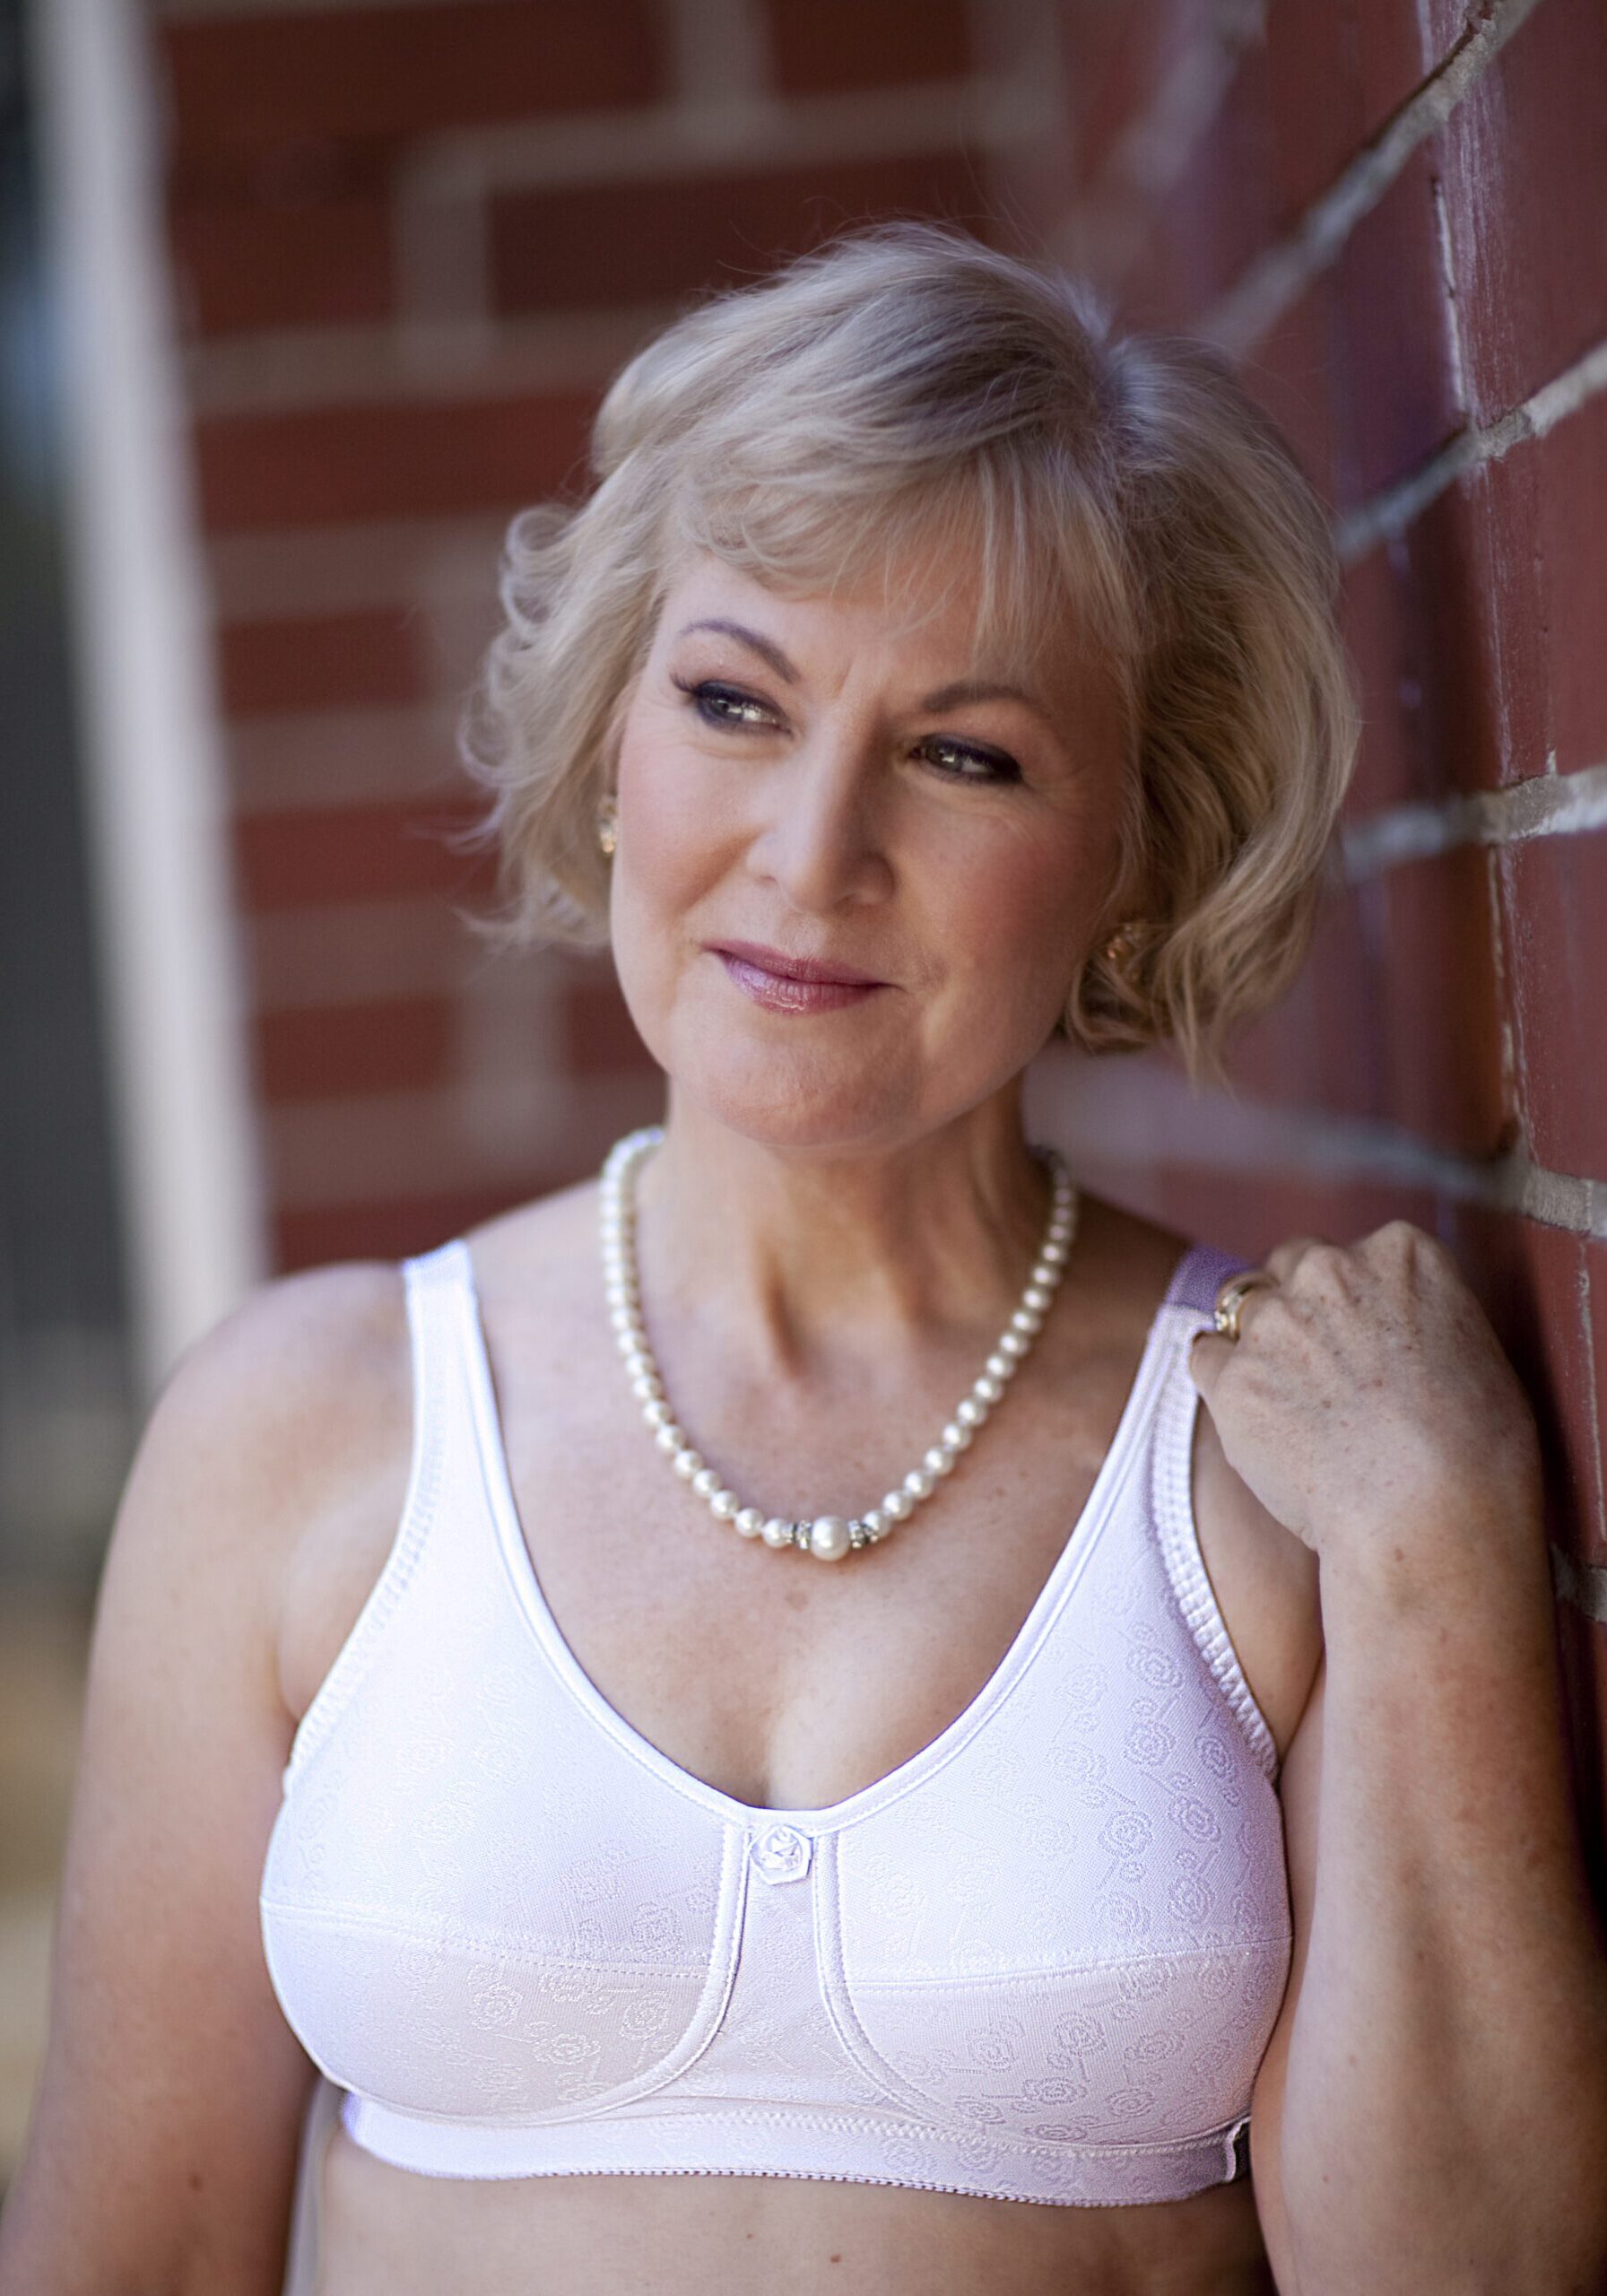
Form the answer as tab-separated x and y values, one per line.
412	240
1393	213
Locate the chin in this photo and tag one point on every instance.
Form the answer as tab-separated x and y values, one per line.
798	1104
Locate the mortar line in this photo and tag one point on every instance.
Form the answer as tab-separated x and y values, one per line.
1392	509
1542	805
1277	277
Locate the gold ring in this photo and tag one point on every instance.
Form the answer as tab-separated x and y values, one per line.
1232	1295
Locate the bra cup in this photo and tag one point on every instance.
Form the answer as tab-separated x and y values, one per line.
434	1949
1084	1932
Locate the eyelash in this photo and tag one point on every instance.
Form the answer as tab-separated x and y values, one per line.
702	693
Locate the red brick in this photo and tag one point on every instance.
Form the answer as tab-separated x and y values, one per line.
380	73
1392	371
244	267
296	860
1566	476
1554	892
1290	374
390	1230
820	46
1222	212
1595	1277
1441	1022
1335	75
1583	1651
1250	1212
325	465
1116	60
1531	1280
1380	641
620	242
332	1051
1324	1046
599	1036
332	662
1448	633
1525	165
1389	49
1313	98
1360	368
1474	558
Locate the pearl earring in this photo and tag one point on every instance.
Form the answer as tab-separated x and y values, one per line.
608	825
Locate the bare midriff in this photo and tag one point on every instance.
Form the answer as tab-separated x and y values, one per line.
388	2231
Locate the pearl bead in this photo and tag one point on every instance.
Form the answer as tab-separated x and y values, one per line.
828	1538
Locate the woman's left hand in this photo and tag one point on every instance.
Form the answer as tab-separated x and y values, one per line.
1368	1403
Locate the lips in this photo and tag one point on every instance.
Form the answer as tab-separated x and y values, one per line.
787	967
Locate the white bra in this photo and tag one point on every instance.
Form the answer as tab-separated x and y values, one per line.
1040	1960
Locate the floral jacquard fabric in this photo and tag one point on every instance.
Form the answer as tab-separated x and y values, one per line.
1040	1961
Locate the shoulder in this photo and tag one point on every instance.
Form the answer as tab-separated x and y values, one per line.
304	1379
283	1433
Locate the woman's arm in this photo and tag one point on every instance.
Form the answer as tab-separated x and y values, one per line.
161	2155
1432	2113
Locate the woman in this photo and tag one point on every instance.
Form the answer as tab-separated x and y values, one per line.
923	673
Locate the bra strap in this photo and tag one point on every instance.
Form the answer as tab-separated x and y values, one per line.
433	1285
1199	1276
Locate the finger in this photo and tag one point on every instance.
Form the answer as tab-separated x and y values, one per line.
1283	1259
1209	1356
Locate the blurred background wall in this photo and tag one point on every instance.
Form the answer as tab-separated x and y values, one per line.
343	283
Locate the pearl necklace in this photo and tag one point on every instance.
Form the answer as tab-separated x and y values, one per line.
827	1536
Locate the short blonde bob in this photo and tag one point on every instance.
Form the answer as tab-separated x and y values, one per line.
907	384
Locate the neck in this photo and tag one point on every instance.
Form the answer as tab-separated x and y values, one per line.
808	1258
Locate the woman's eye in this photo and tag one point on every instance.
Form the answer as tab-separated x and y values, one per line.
963	761
726	705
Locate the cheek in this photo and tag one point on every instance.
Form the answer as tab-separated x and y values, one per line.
670	854
1022	913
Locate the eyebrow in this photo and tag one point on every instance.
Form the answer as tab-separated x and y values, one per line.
766	650
946	697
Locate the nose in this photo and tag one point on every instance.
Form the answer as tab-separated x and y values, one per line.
823	837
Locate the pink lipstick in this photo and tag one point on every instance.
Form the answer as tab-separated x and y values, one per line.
785	984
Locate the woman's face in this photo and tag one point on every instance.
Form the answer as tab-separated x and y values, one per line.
832	781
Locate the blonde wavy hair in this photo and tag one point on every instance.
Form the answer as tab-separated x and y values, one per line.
905	386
